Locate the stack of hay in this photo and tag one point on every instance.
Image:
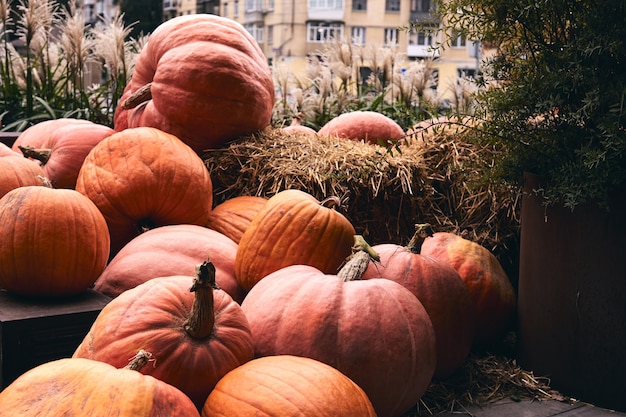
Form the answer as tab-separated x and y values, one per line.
435	176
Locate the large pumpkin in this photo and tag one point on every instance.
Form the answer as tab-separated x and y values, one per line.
17	171
492	293
442	293
202	78
232	216
293	228
53	242
84	387
171	250
368	126
287	385
194	339
143	178
374	331
61	145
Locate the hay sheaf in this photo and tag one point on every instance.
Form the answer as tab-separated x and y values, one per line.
434	178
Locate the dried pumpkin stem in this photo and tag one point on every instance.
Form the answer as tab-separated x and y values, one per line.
42	155
142	95
422	231
356	264
201	320
330	202
140	360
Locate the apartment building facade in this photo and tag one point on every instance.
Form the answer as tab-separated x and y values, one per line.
289	31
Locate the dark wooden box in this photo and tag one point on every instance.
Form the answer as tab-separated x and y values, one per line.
35	331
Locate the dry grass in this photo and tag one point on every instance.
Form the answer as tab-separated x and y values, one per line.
435	179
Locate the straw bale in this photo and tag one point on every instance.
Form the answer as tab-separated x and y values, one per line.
432	178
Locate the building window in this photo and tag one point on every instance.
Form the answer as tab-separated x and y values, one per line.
465	73
254	5
392	5
391	36
420	6
325	4
318	32
236	11
256	31
421	38
457	40
270	35
358	35
359	5
225	11
270	5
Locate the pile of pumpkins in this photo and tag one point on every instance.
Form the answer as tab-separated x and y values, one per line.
255	306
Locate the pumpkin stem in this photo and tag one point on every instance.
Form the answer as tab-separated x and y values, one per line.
199	324
331	202
45	181
422	231
142	94
356	264
140	360
42	155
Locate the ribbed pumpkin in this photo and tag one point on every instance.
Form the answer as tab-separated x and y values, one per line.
293	228
374	331
232	216
492	293
61	145
441	291
287	385
17	171
202	78
84	387
194	339
5	150
368	126
143	178
53	242
171	250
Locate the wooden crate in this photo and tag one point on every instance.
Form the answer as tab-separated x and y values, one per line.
35	331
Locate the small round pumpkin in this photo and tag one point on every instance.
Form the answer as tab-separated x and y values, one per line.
441	291
202	78
144	178
367	126
375	331
17	171
84	387
232	216
53	242
196	332
492	293
293	228
60	146
286	385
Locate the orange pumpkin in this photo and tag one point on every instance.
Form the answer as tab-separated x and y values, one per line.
232	216
194	339
492	293
61	145
5	150
293	228
202	78
171	250
17	171
287	385
368	126
441	291
84	387
375	331
143	178
53	242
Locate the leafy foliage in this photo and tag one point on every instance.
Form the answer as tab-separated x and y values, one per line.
556	90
